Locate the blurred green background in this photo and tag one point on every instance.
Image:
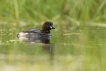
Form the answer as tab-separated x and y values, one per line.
78	42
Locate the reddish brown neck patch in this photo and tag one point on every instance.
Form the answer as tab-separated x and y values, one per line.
46	28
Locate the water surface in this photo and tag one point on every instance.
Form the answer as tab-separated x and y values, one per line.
68	50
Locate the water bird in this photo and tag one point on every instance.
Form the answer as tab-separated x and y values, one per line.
36	35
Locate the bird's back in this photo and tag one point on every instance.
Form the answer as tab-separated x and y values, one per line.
34	35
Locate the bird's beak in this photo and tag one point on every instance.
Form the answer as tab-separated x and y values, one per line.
52	27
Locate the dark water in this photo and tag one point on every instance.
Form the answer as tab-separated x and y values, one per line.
66	51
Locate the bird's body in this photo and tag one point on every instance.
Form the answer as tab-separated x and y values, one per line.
36	35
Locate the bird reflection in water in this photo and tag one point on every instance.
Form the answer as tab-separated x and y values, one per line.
47	47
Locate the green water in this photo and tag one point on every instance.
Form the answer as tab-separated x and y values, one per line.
80	49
